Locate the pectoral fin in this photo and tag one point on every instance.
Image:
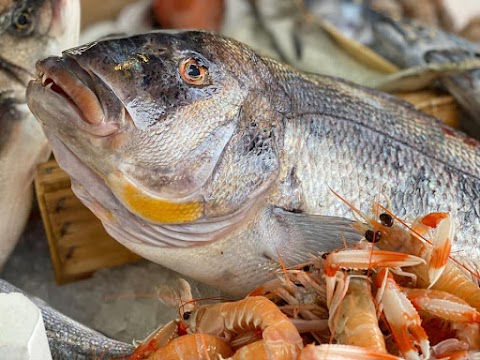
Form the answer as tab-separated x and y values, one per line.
305	235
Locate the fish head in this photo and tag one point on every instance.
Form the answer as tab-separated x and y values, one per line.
401	41
31	30
154	117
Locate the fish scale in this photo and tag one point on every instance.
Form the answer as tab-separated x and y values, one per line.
390	155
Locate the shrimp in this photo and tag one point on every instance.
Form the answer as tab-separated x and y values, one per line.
454	281
453	278
353	327
300	293
342	352
440	272
155	340
403	319
452	349
436	303
356	322
394	237
362	259
193	347
299	289
280	338
178	295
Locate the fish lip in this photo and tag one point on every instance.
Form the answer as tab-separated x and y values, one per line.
75	86
78	87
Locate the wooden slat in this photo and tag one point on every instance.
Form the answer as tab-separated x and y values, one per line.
440	105
79	245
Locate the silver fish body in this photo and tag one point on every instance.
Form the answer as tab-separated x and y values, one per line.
204	157
29	30
70	340
22	146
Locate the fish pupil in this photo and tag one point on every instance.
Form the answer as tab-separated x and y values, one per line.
23	21
386	220
193	71
373	236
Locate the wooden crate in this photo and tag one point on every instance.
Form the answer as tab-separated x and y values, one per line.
79	245
438	104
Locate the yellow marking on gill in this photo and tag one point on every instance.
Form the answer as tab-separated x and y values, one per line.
153	209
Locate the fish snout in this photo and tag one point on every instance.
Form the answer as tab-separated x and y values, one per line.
64	77
80	90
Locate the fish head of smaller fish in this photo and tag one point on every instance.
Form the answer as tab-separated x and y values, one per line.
31	30
159	117
402	41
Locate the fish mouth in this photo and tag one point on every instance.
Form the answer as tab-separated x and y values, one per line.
63	81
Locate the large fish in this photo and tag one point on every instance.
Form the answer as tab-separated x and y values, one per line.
29	30
200	155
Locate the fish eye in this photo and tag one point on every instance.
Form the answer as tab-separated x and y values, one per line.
193	71
23	22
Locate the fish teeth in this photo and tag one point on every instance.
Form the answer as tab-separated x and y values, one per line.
44	78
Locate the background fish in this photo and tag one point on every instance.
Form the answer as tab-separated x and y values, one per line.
305	41
336	38
465	87
29	30
408	44
70	340
202	156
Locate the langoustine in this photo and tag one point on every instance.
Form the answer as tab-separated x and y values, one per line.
382	299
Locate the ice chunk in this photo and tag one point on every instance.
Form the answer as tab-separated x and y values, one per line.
22	332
